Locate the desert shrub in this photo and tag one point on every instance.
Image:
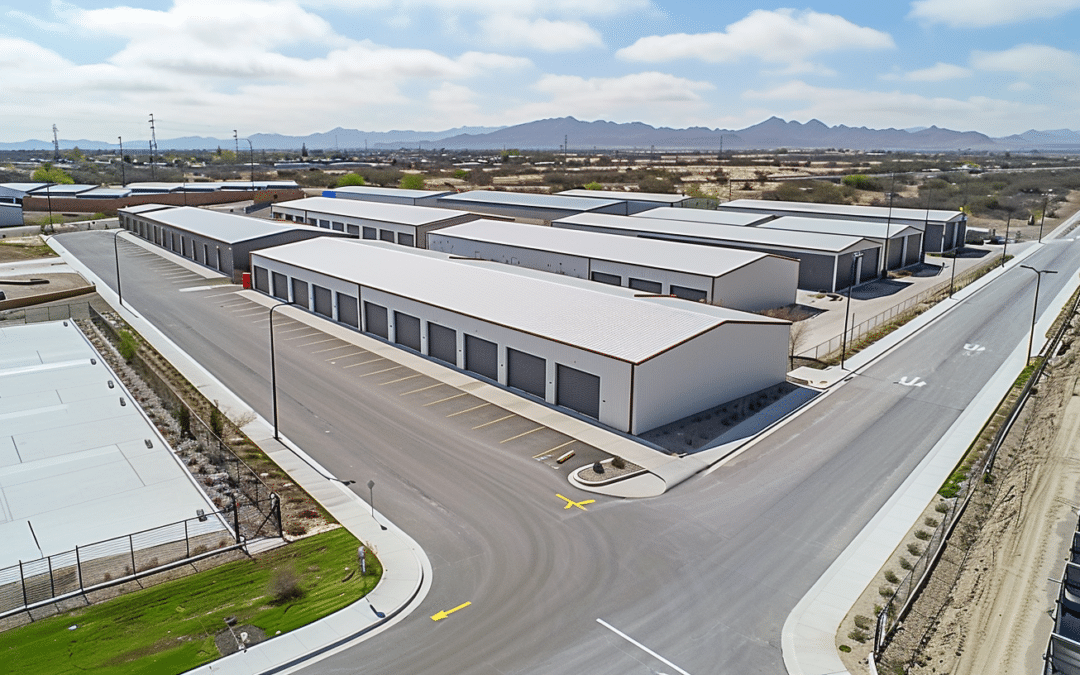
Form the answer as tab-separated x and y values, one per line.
860	182
862	622
891	577
914	550
922	534
285	587
905	564
128	345
858	635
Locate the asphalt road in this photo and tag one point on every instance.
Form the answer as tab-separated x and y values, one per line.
703	576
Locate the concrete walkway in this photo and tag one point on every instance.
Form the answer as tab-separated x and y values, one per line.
406	569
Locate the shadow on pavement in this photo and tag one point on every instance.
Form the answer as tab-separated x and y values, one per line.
878	289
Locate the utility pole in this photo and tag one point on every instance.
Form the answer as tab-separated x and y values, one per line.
56	145
888	223
123	179
1042	218
153	148
565	141
236	140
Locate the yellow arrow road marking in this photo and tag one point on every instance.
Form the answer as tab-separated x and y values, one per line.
447	612
571	503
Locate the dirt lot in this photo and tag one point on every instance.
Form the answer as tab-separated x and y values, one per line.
24	248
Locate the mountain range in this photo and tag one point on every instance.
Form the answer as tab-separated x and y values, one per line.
550	134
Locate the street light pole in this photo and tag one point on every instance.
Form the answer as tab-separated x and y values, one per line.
251	158
273	367
1005	248
888	223
952	279
847	310
371	499
116	252
123	177
1035	307
1042	218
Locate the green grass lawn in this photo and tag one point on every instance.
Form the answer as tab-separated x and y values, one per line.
170	628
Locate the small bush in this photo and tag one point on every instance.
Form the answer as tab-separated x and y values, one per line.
844	648
217	421
309	513
922	534
891	577
905	564
128	346
858	635
942	507
914	550
862	622
285	587
930	522
618	462
886	591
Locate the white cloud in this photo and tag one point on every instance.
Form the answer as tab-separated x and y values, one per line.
519	8
780	36
1028	58
939	72
982	13
544	34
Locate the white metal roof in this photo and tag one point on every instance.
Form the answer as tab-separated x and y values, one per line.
704	216
403	214
876	212
626	196
154	187
61	190
143	208
854	228
73	461
609	321
389	192
813	242
224	227
104	193
704	260
23	187
529	199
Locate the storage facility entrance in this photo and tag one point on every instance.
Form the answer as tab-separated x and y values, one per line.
577	390
348	311
324	303
300	293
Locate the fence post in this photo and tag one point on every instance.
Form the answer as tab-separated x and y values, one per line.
78	567
131	547
236	518
22	581
275	505
52	580
187	539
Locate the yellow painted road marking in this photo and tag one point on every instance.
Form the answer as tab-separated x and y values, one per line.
384	370
400	379
460	412
557	447
353	365
317	342
488	424
514	438
293	330
437	384
330	349
447	612
305	335
345	356
448	398
571	503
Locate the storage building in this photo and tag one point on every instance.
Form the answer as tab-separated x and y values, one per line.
528	206
220	241
826	261
11	215
706	216
632	363
13	193
635	202
905	242
366	193
745	280
943	230
397	223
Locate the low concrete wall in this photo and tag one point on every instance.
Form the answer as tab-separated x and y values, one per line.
31	300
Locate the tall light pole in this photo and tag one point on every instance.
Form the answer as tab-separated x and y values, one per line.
123	178
847	310
273	366
116	252
1005	248
251	157
371	500
1035	307
1042	218
888	223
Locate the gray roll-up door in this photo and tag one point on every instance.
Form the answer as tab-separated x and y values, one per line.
281	285
369	232
324	302
646	286
914	249
482	357
688	293
338	227
405	239
870	264
300	292
613	279
354	230
407	330
262	280
844	271
387	235
526	372
896	254
376	321
348	311
324	224
442	343
577	390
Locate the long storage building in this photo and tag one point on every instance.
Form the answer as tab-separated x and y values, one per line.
220	241
943	230
395	223
826	261
746	280
631	363
905	242
706	216
527	206
385	195
635	202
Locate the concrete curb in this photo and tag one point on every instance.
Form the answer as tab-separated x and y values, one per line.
406	568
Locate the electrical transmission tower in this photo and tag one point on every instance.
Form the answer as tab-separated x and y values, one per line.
56	145
153	148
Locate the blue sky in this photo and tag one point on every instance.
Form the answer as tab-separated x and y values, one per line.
205	67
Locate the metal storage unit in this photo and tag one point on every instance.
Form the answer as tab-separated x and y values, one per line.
262	280
348	310
442	343
526	372
370	193
634	202
407	330
482	357
375	320
528	206
281	286
577	390
300	292
324	301
898	236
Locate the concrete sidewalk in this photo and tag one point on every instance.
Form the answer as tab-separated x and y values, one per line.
406	569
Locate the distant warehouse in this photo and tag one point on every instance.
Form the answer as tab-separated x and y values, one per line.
367	193
943	230
631	363
395	223
826	261
528	206
905	242
745	280
220	241
635	202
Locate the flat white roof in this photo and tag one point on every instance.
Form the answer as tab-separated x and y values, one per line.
60	189
530	200
833	244
224	227
626	196
154	187
23	187
704	260
143	208
854	228
704	216
389	192
610	321
104	193
73	462
404	214
876	212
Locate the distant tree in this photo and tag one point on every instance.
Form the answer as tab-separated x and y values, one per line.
351	179
860	182
303	150
480	177
76	155
51	174
412	181
593	186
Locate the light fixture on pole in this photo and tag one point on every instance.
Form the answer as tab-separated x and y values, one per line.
251	158
1042	218
1035	307
116	252
123	177
273	367
371	499
847	310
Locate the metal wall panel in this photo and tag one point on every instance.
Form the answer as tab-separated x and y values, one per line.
324	302
442	343
407	330
348	311
896	254
281	285
526	372
482	357
577	390
262	280
375	320
300	292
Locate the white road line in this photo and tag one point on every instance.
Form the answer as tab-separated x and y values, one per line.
488	424
301	337
384	370
448	398
330	349
460	412
195	288
400	379
292	330
437	384
317	342
353	365
219	295
640	646
345	356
